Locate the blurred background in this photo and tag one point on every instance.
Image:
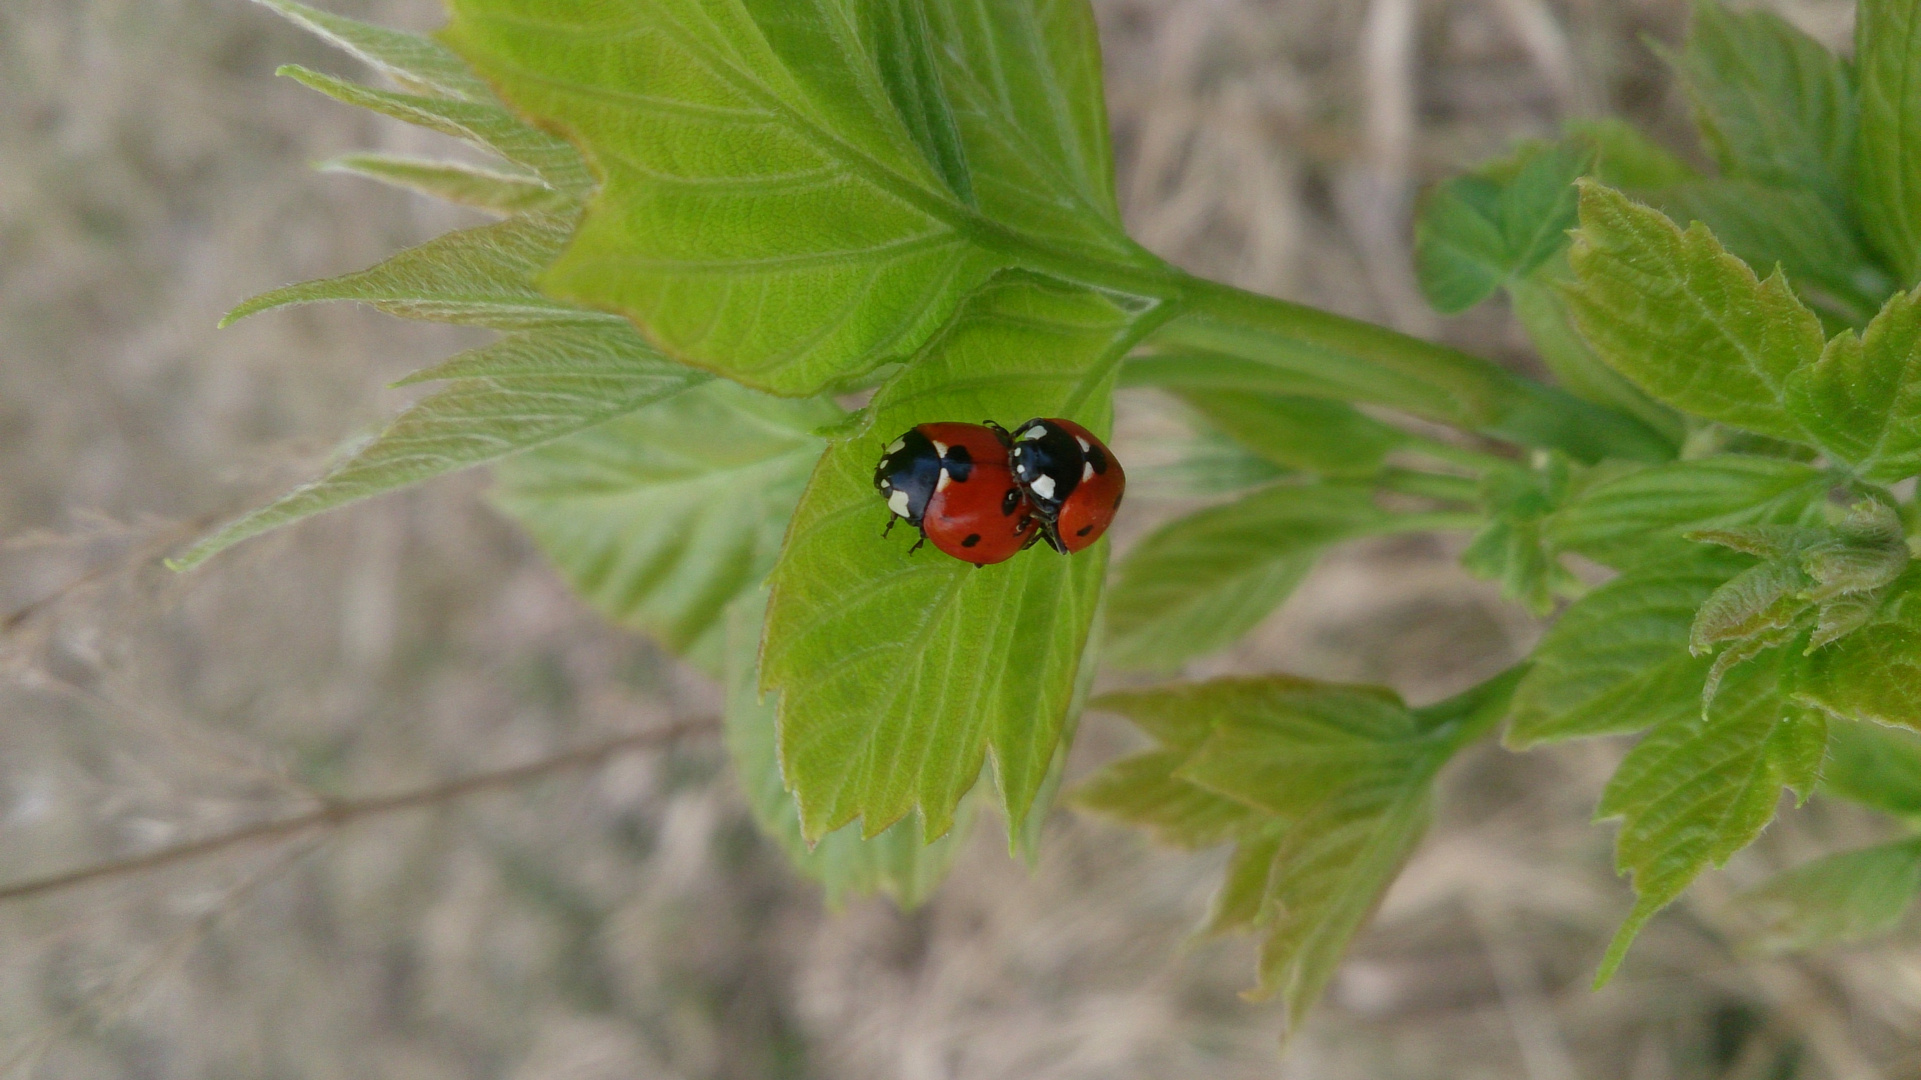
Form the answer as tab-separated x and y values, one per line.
628	921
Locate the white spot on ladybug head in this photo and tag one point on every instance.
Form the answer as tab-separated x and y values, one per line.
897	502
1043	486
941	484
940	448
1034	432
897	446
1087	471
1085	445
885	483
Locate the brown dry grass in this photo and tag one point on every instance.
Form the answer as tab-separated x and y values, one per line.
628	922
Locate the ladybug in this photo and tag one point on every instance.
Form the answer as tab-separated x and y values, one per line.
1070	477
954	483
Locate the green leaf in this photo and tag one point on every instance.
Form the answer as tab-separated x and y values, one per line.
1198	583
1686	321
1343	776
1624	158
1618	659
1700	787
897	672
1790	227
1331	438
521	391
1481	231
1772	104
1644	514
485	124
798	191
1509	548
455	182
422	65
1541	307
1874	673
1888	70
663	517
1878	767
480	276
896	862
1144	791
1862	399
1838	900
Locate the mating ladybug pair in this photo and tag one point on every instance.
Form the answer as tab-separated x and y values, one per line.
983	495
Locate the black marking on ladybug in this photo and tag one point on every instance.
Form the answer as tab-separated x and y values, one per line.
972	539
1097	459
1085	529
1010	502
958	463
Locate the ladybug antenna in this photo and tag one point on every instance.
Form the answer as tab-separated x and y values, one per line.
1000	432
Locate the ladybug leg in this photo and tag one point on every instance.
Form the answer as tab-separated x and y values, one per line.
917	544
891	518
1052	534
1000	432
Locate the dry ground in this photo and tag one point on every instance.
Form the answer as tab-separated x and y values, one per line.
629	922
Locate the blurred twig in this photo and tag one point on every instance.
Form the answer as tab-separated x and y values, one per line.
338	815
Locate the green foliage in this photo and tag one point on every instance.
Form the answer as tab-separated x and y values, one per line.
1509	548
1197	584
1791	227
819	196
501	191
1324	789
1875	673
797	192
1702	785
897	671
1644	514
1835	900
898	862
1687	322
1826	582
1772	105
663	518
561	370
1328	438
1878	767
1489	228
1861	401
1888	69
1618	660
1495	226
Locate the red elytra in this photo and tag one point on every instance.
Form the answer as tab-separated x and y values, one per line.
1071	478
954	483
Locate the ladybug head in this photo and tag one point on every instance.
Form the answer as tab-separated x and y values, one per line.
907	475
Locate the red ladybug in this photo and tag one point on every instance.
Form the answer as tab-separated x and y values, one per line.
1071	479
954	483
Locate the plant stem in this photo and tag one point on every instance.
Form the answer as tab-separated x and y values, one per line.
1258	342
1461	489
1474	713
337	815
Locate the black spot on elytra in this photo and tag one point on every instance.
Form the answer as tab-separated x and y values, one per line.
972	539
1097	459
959	464
1085	529
1010	502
